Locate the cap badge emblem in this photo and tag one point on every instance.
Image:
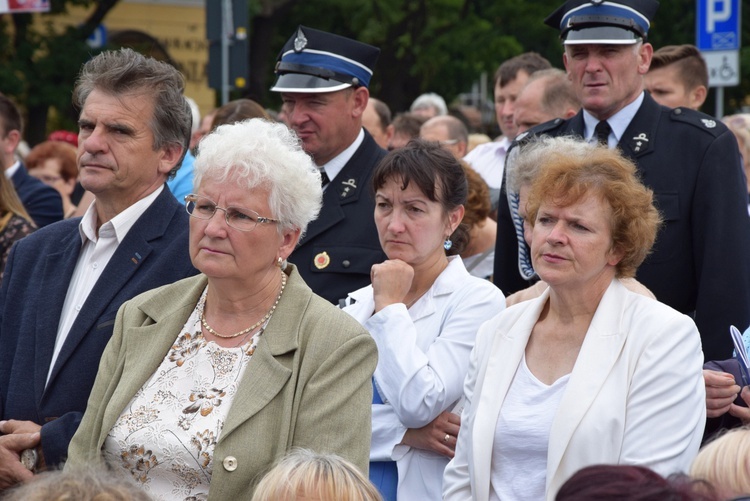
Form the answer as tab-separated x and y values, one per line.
710	124
322	260
300	41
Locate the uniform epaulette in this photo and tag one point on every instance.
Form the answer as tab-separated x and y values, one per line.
536	131
700	120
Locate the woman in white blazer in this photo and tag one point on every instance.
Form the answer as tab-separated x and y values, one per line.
423	310
589	372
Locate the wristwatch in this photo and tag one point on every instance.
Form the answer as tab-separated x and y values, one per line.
29	459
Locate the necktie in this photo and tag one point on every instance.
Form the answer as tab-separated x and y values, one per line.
524	260
324	178
601	131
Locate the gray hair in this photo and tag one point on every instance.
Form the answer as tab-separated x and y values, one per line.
456	128
260	153
524	165
430	100
559	94
126	71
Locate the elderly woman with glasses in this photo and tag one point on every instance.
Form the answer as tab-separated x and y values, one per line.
207	381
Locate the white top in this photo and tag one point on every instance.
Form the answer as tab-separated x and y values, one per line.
488	159
617	122
423	357
165	438
96	251
481	265
337	163
10	171
635	395
519	452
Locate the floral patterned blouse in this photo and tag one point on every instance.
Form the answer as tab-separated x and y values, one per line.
12	228
165	437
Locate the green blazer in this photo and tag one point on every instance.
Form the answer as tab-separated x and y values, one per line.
307	385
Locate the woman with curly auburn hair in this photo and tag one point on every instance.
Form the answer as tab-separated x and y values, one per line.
589	372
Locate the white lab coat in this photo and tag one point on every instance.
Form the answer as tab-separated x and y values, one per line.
635	395
423	358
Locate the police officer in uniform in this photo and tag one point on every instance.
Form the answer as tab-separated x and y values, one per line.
700	264
323	80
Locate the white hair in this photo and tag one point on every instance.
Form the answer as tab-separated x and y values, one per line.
196	114
528	159
258	152
430	100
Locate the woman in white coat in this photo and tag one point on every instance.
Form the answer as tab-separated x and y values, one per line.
423	309
589	372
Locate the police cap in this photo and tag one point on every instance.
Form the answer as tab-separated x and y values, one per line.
603	22
315	61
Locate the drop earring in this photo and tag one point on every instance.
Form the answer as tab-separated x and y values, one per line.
447	244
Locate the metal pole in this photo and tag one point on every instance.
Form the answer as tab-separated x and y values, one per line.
719	102
226	34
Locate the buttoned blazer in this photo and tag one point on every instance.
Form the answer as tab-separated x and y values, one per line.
42	202
345	230
699	262
37	275
307	384
424	355
635	395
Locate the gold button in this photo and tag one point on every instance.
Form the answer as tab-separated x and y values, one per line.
230	463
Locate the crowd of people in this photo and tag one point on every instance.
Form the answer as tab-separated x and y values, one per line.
332	302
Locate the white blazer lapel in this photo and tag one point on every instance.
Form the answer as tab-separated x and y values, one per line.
600	350
505	356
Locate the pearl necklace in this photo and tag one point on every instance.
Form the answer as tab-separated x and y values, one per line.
257	324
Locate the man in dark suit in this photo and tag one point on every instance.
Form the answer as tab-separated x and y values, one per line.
323	81
699	264
63	287
42	202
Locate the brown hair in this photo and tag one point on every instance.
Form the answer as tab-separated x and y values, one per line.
691	67
9	201
630	483
65	152
478	205
435	172
573	169
10	117
530	62
559	94
237	111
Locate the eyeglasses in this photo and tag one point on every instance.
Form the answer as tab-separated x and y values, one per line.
239	218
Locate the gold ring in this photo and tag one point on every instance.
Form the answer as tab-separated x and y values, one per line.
447	436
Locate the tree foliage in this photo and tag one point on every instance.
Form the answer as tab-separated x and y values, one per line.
444	46
38	65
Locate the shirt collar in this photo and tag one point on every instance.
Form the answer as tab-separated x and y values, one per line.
618	122
10	172
337	163
118	226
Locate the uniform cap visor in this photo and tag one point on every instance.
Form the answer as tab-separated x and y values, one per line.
297	82
601	35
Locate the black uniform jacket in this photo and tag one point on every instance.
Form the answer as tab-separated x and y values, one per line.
700	263
338	250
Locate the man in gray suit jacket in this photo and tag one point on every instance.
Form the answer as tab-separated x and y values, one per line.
62	288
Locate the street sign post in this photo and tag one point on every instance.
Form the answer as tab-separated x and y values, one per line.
226	30
717	35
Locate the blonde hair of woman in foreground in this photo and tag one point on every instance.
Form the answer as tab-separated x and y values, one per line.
305	475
